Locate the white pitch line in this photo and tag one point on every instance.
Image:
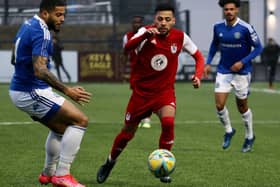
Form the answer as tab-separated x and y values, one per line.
265	90
8	123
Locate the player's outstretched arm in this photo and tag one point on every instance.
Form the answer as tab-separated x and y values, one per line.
140	36
78	94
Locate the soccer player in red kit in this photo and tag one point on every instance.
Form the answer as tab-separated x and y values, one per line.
157	47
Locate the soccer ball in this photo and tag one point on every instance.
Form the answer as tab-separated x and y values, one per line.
161	162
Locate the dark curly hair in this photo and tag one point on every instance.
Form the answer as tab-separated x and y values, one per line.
50	5
222	3
165	6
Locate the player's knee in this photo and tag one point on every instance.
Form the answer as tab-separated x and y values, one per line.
83	121
220	107
242	109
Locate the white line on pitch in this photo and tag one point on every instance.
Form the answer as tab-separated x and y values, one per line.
7	123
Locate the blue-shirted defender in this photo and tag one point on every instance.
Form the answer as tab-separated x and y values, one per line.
31	91
238	43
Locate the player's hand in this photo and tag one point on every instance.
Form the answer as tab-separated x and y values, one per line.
79	94
152	31
207	70
236	67
196	82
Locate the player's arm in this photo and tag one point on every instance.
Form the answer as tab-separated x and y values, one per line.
41	71
142	34
192	49
256	44
257	50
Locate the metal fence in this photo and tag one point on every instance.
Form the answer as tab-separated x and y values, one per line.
93	13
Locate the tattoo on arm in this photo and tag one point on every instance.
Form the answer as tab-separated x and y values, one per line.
42	72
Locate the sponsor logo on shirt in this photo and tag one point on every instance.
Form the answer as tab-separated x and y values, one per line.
231	45
159	62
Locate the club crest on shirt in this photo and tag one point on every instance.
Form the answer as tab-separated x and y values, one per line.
237	35
159	62
173	48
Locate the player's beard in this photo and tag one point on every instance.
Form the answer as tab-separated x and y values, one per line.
52	26
230	17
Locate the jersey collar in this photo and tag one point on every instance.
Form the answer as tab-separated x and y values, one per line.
41	20
236	22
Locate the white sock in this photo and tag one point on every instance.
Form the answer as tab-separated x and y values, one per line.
224	118
52	147
70	146
247	117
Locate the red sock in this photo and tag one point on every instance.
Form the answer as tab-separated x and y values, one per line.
167	133
120	143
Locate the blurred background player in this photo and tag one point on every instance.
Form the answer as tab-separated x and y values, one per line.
158	47
270	57
31	91
235	39
57	57
136	23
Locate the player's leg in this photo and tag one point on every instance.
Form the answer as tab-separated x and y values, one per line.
166	115
247	118
120	142
241	93
222	111
222	89
134	113
272	75
52	148
74	123
58	114
166	140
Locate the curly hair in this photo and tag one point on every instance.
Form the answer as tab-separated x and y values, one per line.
50	5
222	3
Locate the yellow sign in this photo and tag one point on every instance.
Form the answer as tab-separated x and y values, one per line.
96	65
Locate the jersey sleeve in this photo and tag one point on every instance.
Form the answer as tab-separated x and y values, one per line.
191	48
137	39
188	45
255	43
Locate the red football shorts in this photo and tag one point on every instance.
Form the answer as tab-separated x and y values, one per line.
140	107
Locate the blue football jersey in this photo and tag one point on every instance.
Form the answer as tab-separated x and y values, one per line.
238	42
32	39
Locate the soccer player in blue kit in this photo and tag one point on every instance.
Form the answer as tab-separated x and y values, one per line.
234	38
31	91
